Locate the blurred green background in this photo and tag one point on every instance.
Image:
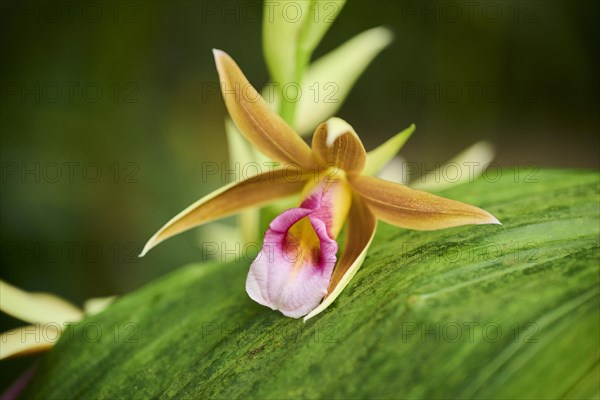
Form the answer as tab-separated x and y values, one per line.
108	114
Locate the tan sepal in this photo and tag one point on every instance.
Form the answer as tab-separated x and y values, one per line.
254	191
360	231
414	209
266	130
335	143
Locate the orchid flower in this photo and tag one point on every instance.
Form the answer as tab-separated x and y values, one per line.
331	72
326	82
298	271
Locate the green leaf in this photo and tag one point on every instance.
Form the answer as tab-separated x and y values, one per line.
291	32
328	81
383	154
321	15
505	311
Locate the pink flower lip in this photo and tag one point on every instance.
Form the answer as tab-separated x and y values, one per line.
288	275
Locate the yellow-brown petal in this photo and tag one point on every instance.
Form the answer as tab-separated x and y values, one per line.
254	191
266	130
360	231
335	143
409	208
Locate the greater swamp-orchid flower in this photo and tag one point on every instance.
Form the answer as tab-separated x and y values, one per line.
297	270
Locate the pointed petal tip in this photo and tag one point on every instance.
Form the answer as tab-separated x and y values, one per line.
380	36
151	243
219	55
146	249
490	220
316	311
387	33
494	221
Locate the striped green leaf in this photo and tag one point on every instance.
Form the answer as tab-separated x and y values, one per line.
505	311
